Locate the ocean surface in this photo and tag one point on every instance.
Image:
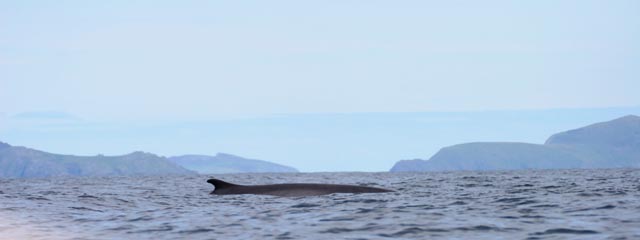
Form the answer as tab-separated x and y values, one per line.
541	204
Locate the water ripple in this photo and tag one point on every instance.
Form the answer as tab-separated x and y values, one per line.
543	204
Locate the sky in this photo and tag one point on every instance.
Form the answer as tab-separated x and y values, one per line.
138	63
144	59
308	142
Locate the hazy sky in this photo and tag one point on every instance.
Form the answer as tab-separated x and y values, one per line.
310	84
193	59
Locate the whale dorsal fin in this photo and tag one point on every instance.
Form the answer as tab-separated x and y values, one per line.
219	184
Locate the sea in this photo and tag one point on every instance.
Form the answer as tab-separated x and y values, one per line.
533	204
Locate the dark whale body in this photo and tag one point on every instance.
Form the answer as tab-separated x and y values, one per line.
289	189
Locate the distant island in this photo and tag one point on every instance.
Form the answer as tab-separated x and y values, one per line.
612	144
227	163
22	162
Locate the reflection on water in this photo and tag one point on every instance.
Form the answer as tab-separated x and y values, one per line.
579	204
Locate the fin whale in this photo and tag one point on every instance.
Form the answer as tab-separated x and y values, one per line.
289	189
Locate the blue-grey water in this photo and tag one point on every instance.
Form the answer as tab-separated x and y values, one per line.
549	204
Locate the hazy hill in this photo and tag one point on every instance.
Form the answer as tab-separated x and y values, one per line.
227	163
609	144
491	156
18	162
621	132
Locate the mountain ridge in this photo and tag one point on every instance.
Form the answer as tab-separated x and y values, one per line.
227	163
614	143
23	162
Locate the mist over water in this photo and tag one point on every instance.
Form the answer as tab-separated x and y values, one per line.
542	204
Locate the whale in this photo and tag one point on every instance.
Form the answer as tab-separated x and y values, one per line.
289	189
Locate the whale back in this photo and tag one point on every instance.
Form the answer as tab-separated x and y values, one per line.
290	189
220	185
